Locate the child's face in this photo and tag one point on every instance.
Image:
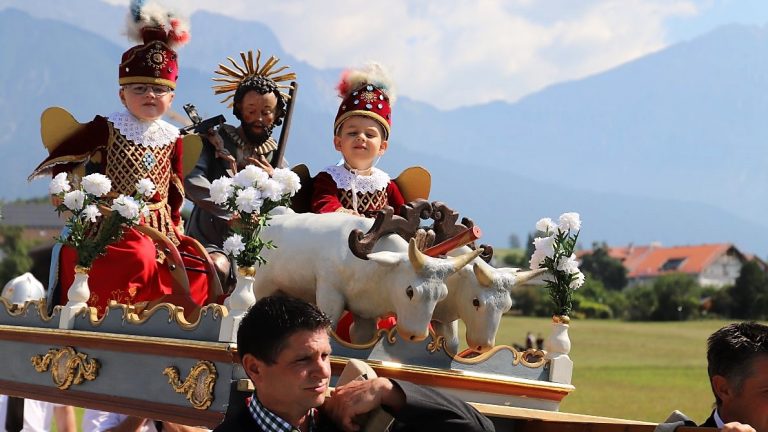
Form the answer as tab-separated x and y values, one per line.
360	141
146	101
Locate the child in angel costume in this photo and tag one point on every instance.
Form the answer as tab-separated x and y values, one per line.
361	133
127	146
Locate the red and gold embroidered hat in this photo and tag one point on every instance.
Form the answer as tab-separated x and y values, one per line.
366	92
154	60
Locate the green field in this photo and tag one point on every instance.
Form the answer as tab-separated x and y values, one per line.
640	371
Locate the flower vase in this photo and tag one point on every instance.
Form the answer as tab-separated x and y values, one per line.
558	343
79	292
242	296
237	303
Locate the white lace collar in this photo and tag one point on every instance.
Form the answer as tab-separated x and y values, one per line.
157	133
346	180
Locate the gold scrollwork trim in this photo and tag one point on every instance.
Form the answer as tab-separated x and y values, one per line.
381	333
67	366
198	387
531	358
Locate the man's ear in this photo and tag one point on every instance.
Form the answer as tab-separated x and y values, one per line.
337	142
722	388
383	147
254	368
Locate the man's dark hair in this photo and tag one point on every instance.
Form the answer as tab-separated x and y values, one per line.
262	86
269	323
731	350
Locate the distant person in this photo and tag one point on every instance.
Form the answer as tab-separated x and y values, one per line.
737	363
285	351
530	341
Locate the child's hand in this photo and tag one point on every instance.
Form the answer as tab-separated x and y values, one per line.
56	201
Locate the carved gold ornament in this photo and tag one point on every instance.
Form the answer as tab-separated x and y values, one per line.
198	387
67	366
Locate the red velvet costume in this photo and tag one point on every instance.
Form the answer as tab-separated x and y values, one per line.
129	272
334	188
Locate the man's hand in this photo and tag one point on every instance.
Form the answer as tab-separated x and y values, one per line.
347	403
737	427
261	162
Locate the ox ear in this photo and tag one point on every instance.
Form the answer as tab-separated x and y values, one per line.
386	258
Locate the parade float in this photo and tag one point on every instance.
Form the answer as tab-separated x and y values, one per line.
170	359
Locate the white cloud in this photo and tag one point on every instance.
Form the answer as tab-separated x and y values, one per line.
461	52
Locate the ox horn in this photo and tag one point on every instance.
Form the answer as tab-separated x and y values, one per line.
462	260
417	258
525	276
483	274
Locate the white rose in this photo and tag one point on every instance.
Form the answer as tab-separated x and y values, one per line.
127	207
250	176
270	189
248	200
288	179
91	213
221	190
577	281
59	184
233	245
74	200
569	221
145	187
545	225
97	184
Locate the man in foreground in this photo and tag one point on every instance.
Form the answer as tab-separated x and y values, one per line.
737	357
284	348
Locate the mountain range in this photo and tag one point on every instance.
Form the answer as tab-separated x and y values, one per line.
669	147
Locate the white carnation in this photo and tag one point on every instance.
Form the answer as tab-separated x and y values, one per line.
59	184
288	179
271	189
97	184
221	190
74	200
569	221
145	187
537	260
233	245
545	225
250	176
545	245
569	265
127	207
91	212
248	200
577	281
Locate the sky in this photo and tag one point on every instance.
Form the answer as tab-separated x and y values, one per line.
453	53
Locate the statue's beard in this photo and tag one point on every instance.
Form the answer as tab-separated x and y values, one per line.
256	138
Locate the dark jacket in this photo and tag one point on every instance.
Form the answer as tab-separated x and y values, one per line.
425	409
710	421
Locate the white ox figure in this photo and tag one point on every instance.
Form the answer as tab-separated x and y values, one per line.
479	295
313	261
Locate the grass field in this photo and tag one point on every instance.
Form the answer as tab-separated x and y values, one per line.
640	371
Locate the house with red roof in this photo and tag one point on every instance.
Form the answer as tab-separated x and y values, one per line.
710	264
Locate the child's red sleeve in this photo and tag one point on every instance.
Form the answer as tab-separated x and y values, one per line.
394	197
324	194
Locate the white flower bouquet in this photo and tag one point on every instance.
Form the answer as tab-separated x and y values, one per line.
250	195
554	251
89	233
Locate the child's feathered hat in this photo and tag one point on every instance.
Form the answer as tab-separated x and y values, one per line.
367	92
158	32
